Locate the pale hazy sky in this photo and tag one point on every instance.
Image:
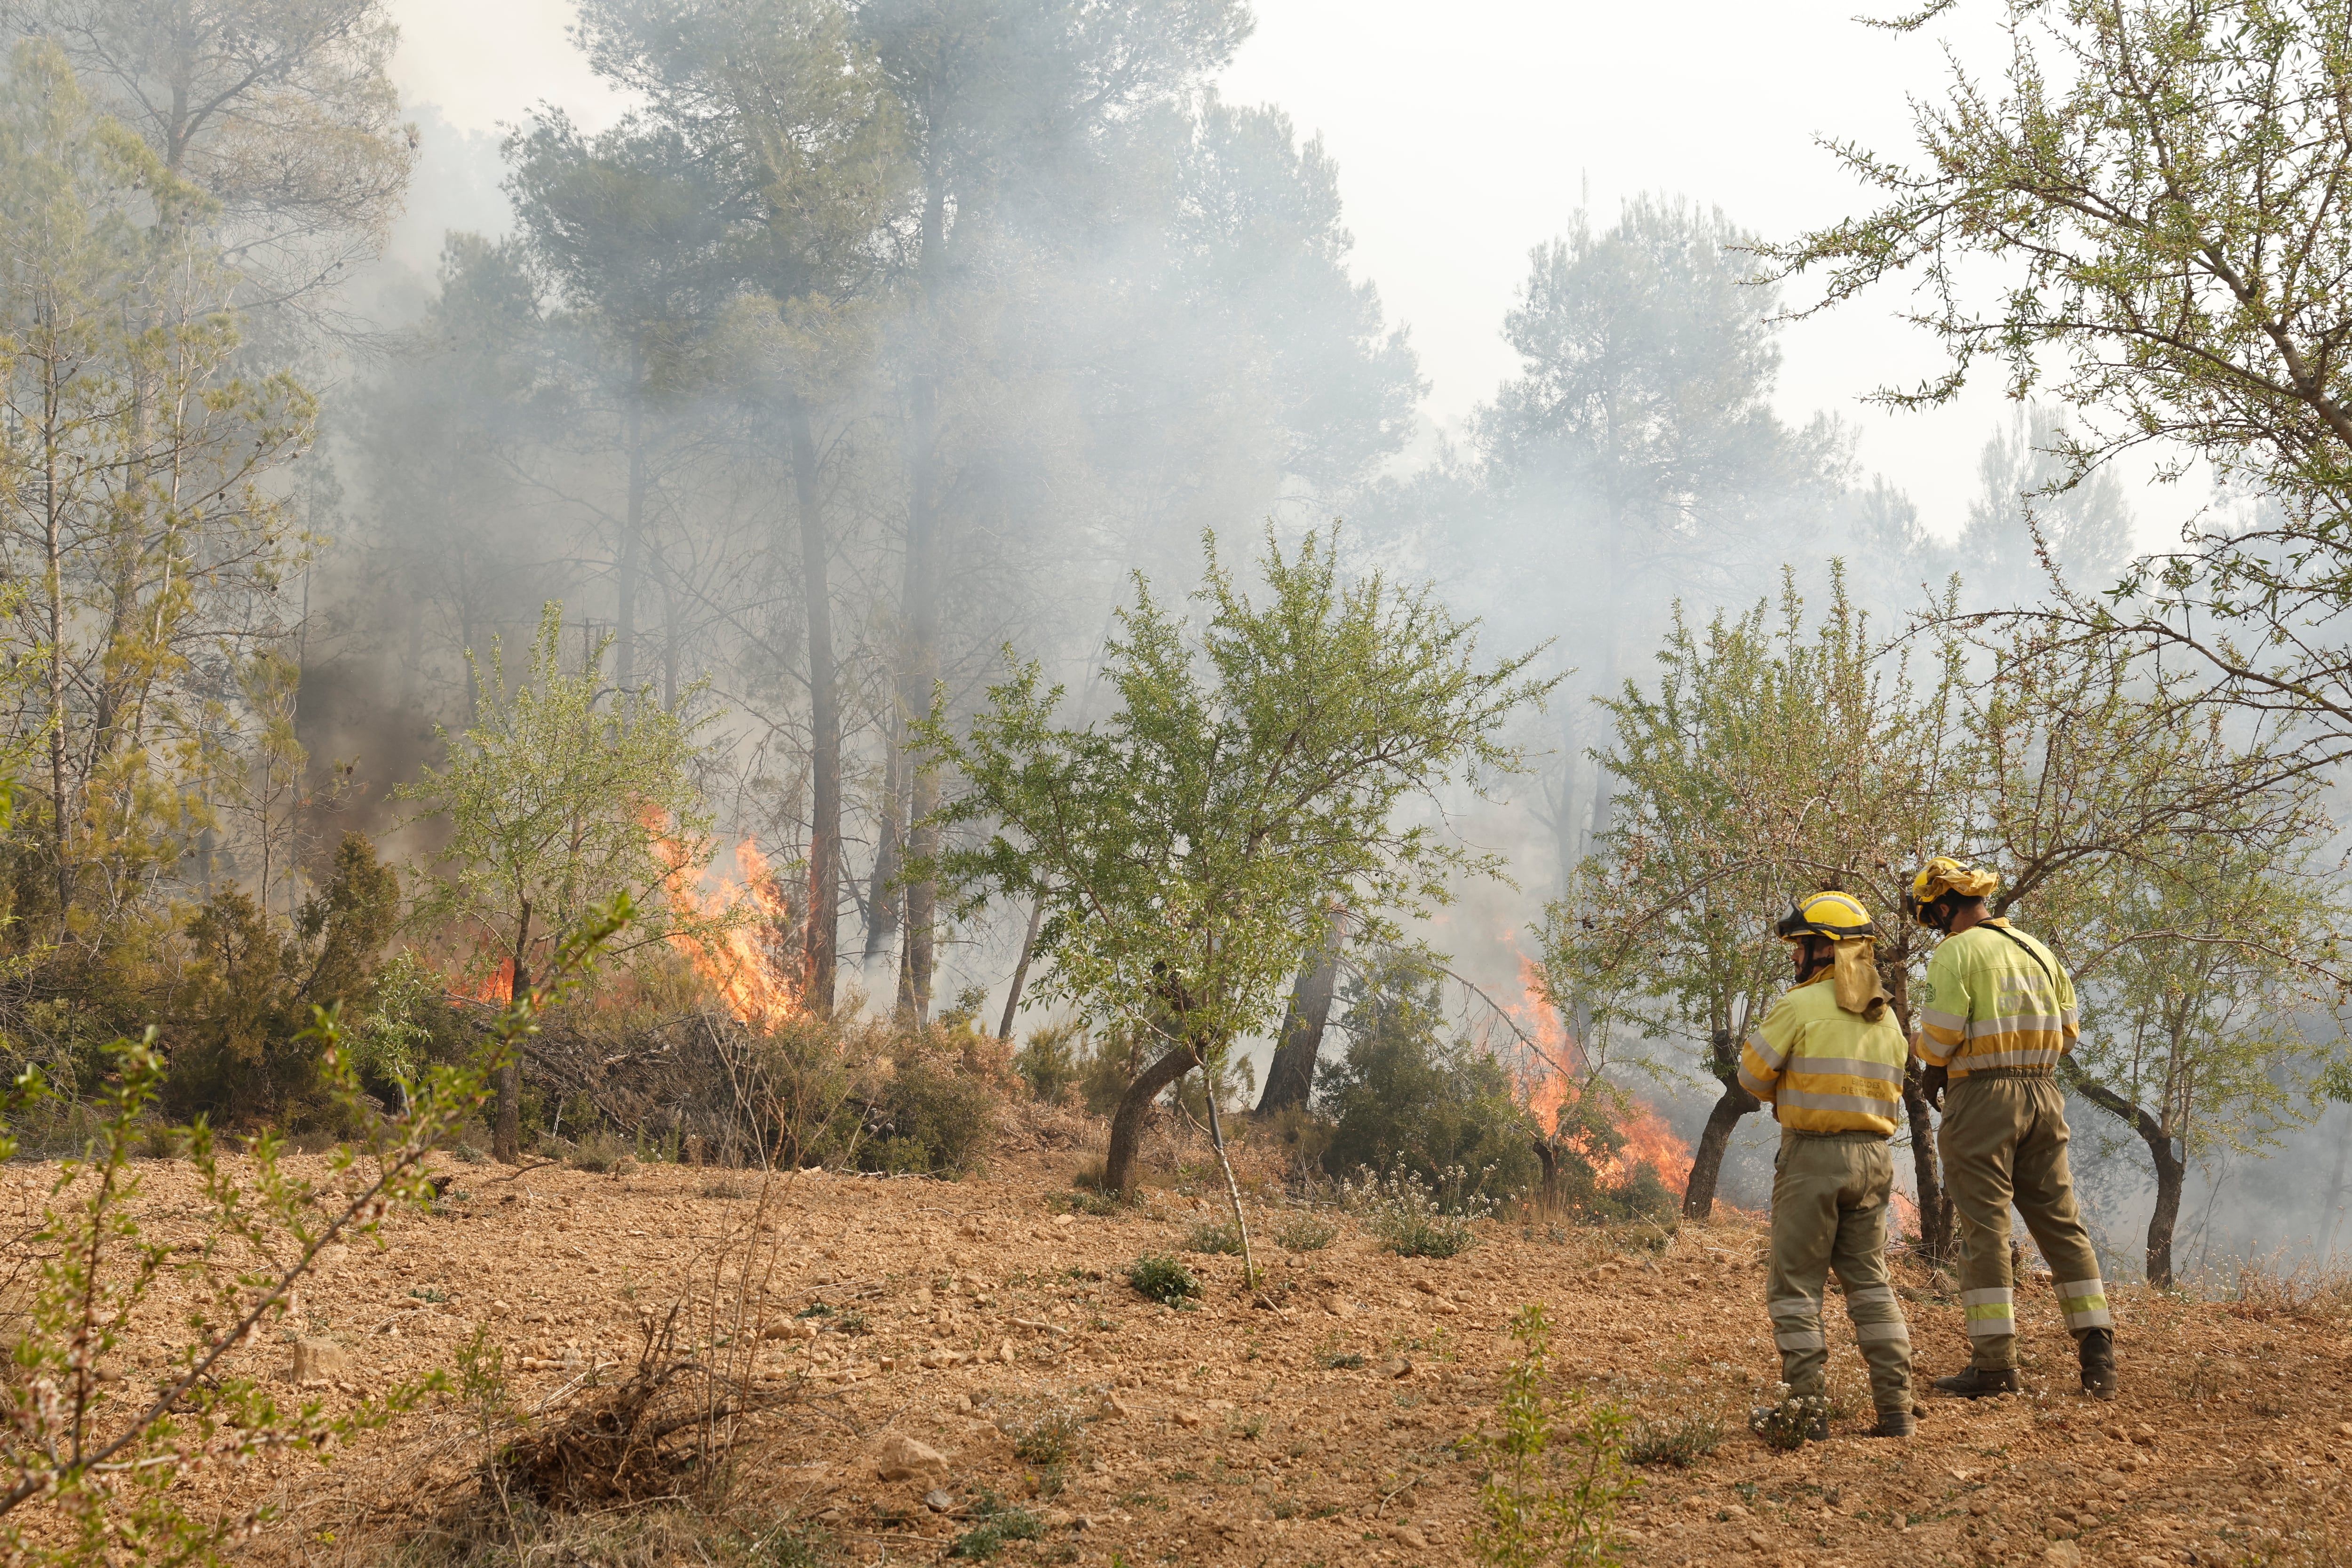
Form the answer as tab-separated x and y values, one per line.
1468	132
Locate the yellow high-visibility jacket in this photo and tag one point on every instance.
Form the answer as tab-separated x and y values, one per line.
1987	1003
1824	1069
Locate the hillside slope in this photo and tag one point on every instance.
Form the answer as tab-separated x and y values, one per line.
1250	1435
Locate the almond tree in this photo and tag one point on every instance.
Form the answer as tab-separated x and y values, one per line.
1185	851
563	792
2145	217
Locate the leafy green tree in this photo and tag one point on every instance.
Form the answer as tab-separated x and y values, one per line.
276	119
2222	957
1772	757
2154	188
141	503
1184	849
563	792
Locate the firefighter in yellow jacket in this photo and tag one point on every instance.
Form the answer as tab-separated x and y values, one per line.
1830	1060
1996	1013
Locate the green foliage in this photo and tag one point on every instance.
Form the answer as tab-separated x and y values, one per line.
1157	1277
1181	850
1305	1233
991	1536
930	1122
1406	1103
1676	1441
1052	1061
1775	752
1786	1422
1215	1236
241	1046
1057	1438
1556	1472
1414	1219
561	791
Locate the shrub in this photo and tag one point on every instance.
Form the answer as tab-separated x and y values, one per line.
1157	1277
930	1123
1680	1441
1052	1061
1786	1423
988	1539
1215	1236
1406	1101
1305	1233
1414	1219
1054	1439
600	1154
1540	1510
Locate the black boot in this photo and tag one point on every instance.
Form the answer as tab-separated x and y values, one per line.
1895	1423
1977	1382
2098	1350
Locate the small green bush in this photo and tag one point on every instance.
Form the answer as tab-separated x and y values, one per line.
1052	1061
1331	1358
1679	1441
1305	1233
1051	1440
930	1123
1215	1236
1413	1219
1785	1424
990	1536
1157	1277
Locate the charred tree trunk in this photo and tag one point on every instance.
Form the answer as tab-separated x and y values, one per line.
1020	969
624	610
1290	1076
1126	1121
825	721
1936	1216
1548	1157
882	896
1937	1222
1706	1162
2171	1170
920	605
506	1131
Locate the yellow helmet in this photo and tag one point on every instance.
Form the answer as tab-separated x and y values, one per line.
1828	913
1945	874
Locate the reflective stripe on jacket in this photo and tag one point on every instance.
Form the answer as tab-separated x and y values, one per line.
1987	1004
1824	1069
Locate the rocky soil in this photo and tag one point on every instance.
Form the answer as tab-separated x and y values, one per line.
981	1349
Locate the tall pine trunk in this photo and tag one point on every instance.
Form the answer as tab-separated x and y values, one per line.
921	603
1290	1076
625	611
825	720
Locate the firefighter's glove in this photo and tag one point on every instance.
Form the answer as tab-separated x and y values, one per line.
1932	1081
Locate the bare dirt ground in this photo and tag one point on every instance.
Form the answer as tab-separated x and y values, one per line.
1246	1434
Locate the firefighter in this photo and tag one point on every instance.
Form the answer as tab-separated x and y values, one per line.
1830	1061
1996	1013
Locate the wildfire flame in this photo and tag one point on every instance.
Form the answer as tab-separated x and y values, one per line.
496	986
744	954
1547	1086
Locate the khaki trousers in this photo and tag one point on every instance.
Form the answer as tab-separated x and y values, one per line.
1828	1211
2005	1142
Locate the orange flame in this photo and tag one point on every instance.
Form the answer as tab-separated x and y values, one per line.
745	955
497	985
1548	1088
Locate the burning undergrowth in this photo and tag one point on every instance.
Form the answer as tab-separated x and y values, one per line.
1605	1153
